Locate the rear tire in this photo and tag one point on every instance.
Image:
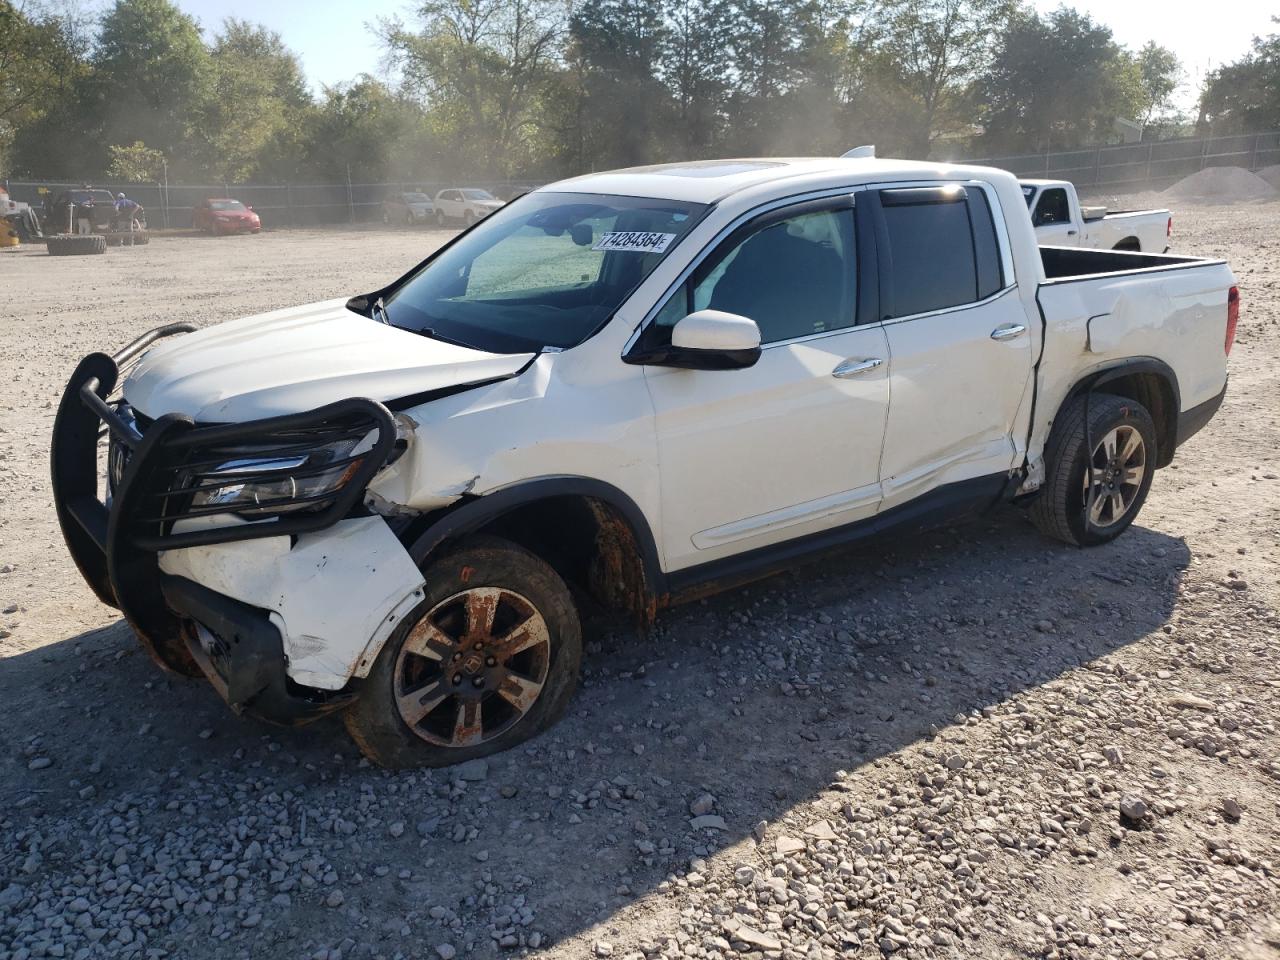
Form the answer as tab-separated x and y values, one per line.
450	685
1124	459
76	246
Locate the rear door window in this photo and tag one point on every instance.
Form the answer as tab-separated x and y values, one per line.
943	249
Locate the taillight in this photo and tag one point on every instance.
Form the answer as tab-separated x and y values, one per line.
1168	227
1233	316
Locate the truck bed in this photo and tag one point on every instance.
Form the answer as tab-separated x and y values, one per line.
1063	263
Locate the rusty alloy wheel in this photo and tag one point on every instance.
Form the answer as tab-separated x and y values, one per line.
472	667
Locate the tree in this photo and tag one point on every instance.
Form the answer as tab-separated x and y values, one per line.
365	131
151	75
625	111
41	61
479	67
940	47
1055	82
136	163
1244	97
253	113
1160	72
693	70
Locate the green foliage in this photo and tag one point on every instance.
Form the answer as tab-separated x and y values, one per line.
1057	81
1245	96
256	105
1159	73
41	61
150	68
543	88
136	163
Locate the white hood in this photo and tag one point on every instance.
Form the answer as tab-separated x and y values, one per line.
294	360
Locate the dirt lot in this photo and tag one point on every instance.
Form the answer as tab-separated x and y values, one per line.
920	749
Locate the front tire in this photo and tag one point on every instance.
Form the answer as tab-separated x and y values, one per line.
1087	507
488	659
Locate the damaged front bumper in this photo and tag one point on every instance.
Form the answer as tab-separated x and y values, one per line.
133	545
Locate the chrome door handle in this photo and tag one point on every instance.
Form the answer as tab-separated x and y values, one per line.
1008	331
852	368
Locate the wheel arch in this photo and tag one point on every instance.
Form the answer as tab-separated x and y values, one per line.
1150	382
1129	243
592	533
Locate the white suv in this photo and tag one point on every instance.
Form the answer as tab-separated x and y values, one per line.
650	385
464	206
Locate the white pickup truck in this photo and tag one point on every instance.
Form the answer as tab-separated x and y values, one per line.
645	385
1060	221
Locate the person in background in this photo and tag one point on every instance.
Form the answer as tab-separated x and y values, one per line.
126	212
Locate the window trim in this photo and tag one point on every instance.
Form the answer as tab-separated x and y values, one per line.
1002	242
818	199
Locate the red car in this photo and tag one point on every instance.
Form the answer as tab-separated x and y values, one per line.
224	215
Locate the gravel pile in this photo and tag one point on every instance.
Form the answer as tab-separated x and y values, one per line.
1271	174
1223	185
973	743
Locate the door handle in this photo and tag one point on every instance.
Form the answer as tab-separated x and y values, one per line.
1008	331
852	367
1071	233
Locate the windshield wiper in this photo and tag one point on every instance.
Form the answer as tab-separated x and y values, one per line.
379	312
431	333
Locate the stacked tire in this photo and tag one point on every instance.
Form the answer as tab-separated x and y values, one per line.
77	246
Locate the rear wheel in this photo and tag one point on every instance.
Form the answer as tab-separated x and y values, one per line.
1096	479
488	659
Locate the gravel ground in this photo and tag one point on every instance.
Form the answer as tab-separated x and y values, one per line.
975	743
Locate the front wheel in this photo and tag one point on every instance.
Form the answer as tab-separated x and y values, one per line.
1096	479
488	659
441	219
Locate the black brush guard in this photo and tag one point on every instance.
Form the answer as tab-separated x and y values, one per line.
116	547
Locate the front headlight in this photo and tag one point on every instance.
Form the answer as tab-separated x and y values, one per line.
264	486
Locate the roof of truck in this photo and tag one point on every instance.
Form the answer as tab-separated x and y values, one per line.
708	181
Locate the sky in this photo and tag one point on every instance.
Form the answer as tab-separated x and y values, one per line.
334	43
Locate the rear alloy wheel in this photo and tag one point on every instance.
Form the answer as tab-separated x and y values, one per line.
1090	496
1119	465
488	659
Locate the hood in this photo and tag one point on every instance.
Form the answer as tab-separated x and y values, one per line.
297	359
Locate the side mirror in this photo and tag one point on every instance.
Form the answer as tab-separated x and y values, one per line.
708	340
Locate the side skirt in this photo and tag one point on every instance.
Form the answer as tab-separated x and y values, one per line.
934	509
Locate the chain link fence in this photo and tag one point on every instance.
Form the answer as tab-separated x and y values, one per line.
171	205
1151	165
1123	168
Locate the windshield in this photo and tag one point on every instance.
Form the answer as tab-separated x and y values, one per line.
544	271
416	198
226	205
91	196
1028	194
478	195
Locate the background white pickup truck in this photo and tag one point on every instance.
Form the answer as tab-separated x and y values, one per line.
649	384
1061	221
